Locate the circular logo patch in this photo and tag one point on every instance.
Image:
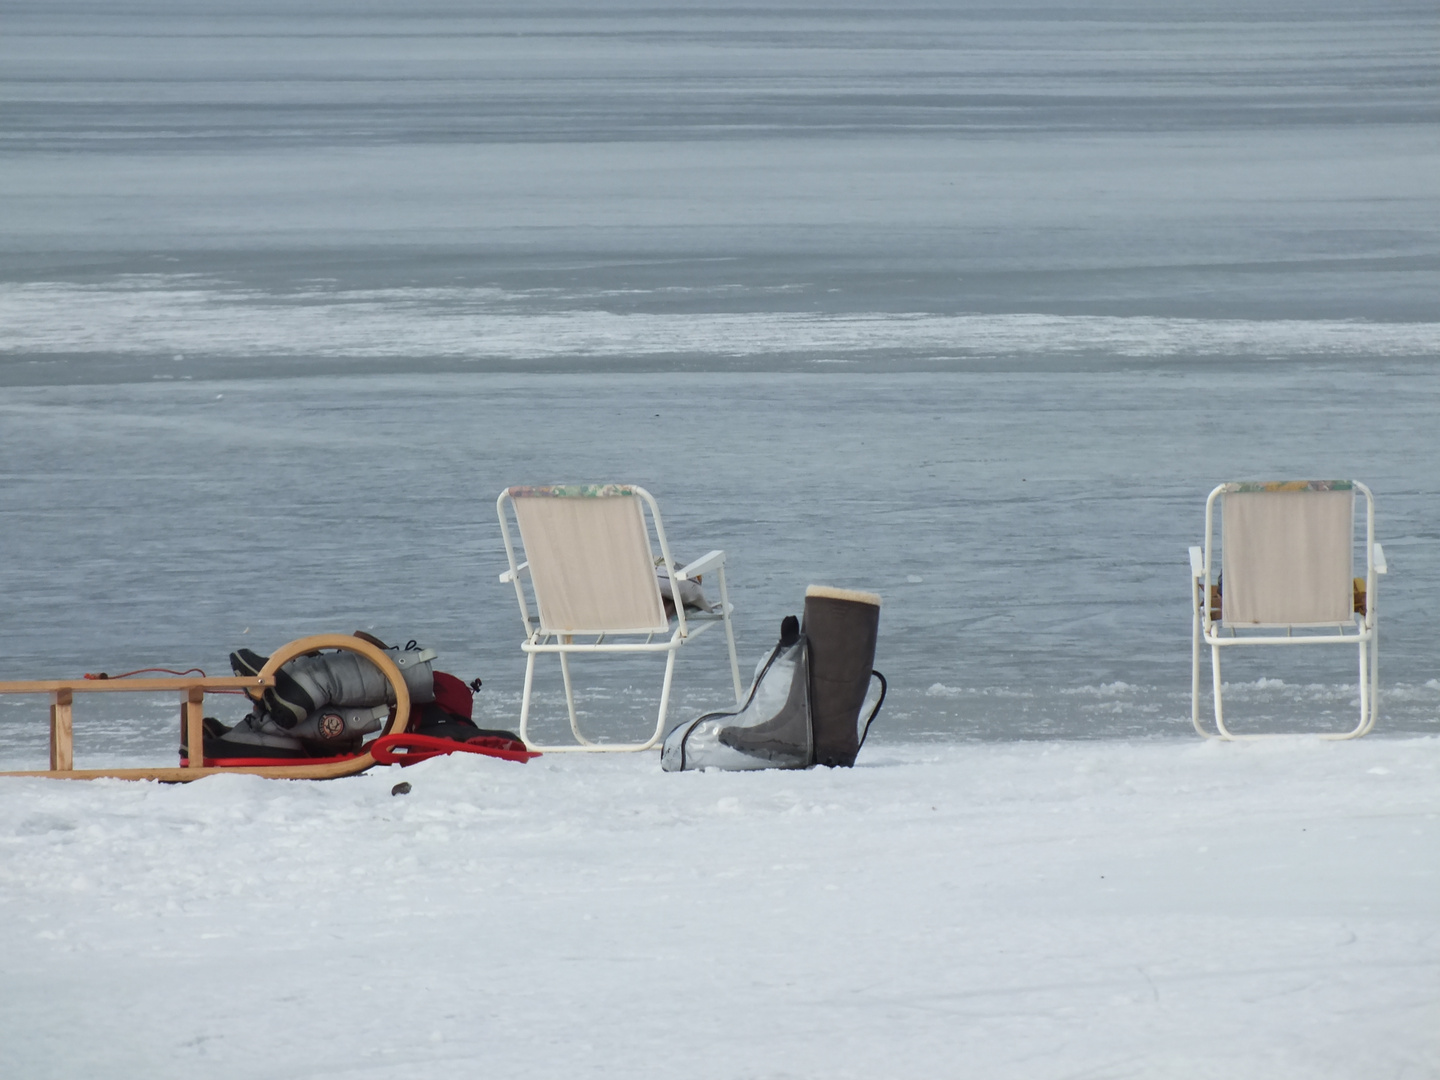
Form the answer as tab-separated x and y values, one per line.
332	726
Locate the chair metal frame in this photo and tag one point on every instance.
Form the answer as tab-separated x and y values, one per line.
541	640
1361	631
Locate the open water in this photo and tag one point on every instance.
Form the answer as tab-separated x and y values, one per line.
969	305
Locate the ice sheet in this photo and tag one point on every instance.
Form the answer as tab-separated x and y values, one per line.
1027	530
223	329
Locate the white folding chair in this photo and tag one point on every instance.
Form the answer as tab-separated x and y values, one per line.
593	573
1287	564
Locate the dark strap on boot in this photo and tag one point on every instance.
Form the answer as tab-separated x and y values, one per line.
884	689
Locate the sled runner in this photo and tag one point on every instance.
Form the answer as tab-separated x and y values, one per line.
192	691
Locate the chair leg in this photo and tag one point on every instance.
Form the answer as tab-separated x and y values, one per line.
1195	635
730	639
570	700
525	698
1364	724
1219	707
589	745
1374	679
664	699
1367	700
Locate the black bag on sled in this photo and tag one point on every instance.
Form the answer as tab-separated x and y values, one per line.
804	706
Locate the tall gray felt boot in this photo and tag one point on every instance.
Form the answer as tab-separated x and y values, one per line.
842	627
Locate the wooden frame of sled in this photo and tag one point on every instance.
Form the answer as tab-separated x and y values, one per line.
592	570
191	691
1288	551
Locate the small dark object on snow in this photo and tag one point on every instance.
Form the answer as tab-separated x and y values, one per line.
402	788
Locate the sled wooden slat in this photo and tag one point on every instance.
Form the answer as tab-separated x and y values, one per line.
192	715
192	692
134	686
179	774
62	731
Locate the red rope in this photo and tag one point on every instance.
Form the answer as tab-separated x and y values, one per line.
167	671
143	670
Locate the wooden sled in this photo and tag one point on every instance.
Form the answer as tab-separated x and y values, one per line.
192	692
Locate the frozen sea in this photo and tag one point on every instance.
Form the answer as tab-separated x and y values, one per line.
964	305
967	304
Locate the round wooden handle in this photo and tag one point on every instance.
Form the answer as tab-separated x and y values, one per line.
401	714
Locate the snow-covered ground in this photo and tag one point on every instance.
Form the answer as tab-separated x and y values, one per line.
1163	908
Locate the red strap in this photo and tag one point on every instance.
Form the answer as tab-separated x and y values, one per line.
250	762
407	748
403	749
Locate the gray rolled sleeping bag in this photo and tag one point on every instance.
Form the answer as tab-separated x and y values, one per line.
806	700
326	701
308	684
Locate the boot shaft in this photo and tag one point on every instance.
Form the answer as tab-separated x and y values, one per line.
842	626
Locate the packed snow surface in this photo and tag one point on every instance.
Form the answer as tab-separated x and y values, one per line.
1162	908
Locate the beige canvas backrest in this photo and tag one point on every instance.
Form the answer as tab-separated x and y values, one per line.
1288	554
590	560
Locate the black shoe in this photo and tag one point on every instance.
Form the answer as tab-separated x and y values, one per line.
245	662
432	720
224	748
286	702
212	728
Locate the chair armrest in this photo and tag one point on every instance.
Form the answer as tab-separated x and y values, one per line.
696	567
511	575
1197	563
1380	567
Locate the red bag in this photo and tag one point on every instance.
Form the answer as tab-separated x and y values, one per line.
454	696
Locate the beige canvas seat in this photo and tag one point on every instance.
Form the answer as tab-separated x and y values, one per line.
593	573
1287	560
